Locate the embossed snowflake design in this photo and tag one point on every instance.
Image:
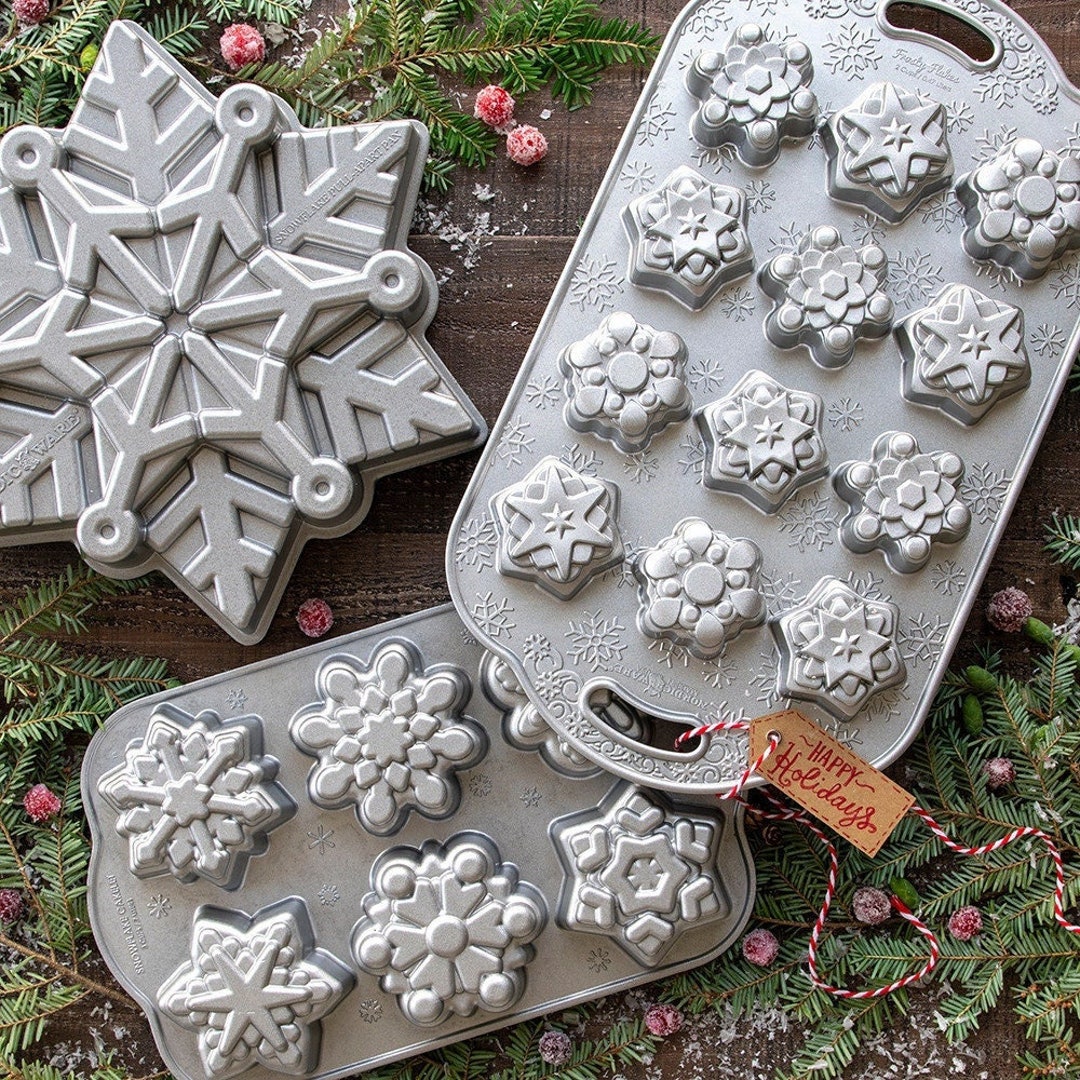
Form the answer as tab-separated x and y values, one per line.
598	960
810	521
1066	286
492	617
963	353
223	337
984	490
236	700
838	648
845	414
159	906
700	588
913	277
447	929
254	989
716	158
657	123
760	195
922	639
370	1011
641	467
999	278
780	590
688	237
868	228
640	871
1048	340
867	584
852	51
763	679
542	391
515	442
595	283
737	304
787	239
595	641
669	655
692	458
480	786
763	441
943	212
960	116
753	94
706	373
902	500
948	577
719	672
638	176
994	139
321	839
388	737
708	20
586	462
329	895
531	797
475	543
195	797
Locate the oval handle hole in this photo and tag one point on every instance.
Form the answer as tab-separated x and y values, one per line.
947	28
637	726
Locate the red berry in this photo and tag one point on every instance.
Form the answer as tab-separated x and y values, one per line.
242	44
1000	772
1009	609
965	923
494	106
555	1047
526	146
760	947
663	1019
314	617
30	12
11	905
40	803
871	906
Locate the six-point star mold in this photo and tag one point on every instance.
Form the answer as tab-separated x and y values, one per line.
211	337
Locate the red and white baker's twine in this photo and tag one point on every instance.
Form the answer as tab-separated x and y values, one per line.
783	812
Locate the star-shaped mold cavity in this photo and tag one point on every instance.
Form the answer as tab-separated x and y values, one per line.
838	648
448	928
389	737
196	797
888	150
827	296
1022	207
902	501
963	353
699	588
255	990
639	870
213	312
557	528
762	441
753	94
688	237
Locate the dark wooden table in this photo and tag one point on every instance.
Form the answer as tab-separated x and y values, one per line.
393	563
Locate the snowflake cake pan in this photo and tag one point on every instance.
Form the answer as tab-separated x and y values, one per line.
375	846
212	331
862	250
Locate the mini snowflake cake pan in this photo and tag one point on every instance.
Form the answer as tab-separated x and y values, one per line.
376	846
779	409
211	333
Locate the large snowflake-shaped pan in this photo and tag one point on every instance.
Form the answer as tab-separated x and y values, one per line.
211	334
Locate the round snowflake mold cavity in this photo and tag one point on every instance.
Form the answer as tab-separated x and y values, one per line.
389	737
753	94
195	797
688	238
902	501
888	151
963	353
640	871
838	648
447	929
255	990
699	588
1022	207
826	296
557	528
762	441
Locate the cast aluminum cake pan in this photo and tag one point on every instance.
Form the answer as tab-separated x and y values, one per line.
211	332
777	414
373	847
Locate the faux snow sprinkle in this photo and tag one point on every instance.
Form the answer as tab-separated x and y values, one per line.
760	947
663	1019
555	1048
40	803
1009	609
526	146
494	106
1000	772
314	617
965	923
871	906
11	905
30	12
242	44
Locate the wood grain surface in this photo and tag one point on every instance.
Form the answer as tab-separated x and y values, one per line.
393	563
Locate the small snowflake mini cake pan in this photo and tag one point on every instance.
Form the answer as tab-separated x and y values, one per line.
376	846
212	331
779	409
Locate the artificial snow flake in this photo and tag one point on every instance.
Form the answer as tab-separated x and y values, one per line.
960	116
480	786
230	326
693	455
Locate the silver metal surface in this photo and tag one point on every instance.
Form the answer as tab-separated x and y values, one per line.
373	847
211	333
859	478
